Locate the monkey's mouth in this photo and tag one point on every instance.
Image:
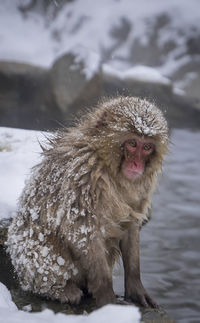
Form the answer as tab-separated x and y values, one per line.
131	173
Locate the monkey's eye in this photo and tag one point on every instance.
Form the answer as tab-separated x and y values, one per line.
132	143
147	147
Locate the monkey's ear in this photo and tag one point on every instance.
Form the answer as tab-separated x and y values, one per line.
102	122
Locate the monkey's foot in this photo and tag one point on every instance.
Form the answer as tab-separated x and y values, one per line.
69	294
141	297
143	300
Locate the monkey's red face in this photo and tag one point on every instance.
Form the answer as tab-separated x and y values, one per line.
137	152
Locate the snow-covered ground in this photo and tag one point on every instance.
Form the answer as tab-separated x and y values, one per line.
99	28
110	313
19	151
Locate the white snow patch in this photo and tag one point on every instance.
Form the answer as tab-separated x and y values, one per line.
41	237
141	73
31	232
27	308
115	313
91	60
60	261
19	151
45	251
6	300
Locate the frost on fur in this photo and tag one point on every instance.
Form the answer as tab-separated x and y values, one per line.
74	200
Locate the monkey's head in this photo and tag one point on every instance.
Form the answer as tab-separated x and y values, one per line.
130	136
137	153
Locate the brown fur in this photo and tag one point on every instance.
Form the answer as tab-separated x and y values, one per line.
78	212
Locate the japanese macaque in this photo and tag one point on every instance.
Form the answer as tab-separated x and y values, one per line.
86	201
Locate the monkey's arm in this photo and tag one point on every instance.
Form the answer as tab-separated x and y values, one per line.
129	246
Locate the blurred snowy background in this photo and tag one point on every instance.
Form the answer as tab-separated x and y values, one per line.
164	35
57	56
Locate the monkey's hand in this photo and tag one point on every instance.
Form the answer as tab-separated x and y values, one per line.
136	293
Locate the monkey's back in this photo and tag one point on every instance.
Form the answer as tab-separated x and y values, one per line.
75	197
56	219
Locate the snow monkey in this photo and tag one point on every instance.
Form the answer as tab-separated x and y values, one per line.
85	203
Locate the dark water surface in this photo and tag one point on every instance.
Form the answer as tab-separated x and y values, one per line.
170	243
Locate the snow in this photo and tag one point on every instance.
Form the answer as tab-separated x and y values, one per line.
41	237
60	261
142	73
45	251
90	28
5	299
27	308
90	59
146	117
116	313
19	151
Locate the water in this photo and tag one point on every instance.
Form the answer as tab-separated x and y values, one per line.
170	243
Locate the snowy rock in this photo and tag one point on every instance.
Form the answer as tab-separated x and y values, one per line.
22	87
152	37
116	313
143	82
75	79
187	78
140	73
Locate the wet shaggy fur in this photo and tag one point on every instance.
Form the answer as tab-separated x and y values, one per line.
77	203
